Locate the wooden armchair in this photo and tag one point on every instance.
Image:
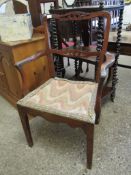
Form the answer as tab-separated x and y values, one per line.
76	103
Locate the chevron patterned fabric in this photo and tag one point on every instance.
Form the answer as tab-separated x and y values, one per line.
72	99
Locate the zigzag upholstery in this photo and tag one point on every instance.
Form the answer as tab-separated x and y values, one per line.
73	99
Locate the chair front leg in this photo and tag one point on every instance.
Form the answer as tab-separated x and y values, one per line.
87	67
90	139
76	68
26	126
68	62
80	66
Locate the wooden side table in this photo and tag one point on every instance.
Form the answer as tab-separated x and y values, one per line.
125	45
36	72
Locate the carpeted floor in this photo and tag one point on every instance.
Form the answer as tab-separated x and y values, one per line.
61	150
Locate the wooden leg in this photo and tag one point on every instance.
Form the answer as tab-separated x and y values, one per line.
87	67
25	124
98	110
60	67
68	62
98	118
90	138
110	75
76	68
95	73
79	68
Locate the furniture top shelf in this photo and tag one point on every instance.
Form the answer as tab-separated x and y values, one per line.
87	8
34	38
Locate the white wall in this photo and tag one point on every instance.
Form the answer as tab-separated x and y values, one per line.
6	8
127	14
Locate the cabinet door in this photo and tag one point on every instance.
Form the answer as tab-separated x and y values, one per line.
11	76
3	80
36	72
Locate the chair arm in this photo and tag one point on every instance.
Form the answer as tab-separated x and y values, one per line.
34	57
110	59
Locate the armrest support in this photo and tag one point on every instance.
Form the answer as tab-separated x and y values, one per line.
110	59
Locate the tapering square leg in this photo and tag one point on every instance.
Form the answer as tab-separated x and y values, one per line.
90	139
26	126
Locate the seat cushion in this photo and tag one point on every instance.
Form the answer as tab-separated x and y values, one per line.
66	98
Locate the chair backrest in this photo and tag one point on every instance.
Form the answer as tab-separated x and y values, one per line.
79	22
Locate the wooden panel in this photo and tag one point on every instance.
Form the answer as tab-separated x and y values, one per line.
11	77
36	72
8	81
3	80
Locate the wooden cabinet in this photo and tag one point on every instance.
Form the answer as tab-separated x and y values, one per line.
36	72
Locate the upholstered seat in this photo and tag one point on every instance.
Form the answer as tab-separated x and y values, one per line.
73	99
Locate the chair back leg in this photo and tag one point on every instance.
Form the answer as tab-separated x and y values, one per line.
26	126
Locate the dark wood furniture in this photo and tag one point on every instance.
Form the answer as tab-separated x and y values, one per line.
35	10
36	73
50	100
125	45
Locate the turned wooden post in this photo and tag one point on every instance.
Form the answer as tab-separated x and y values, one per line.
119	30
100	32
56	44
